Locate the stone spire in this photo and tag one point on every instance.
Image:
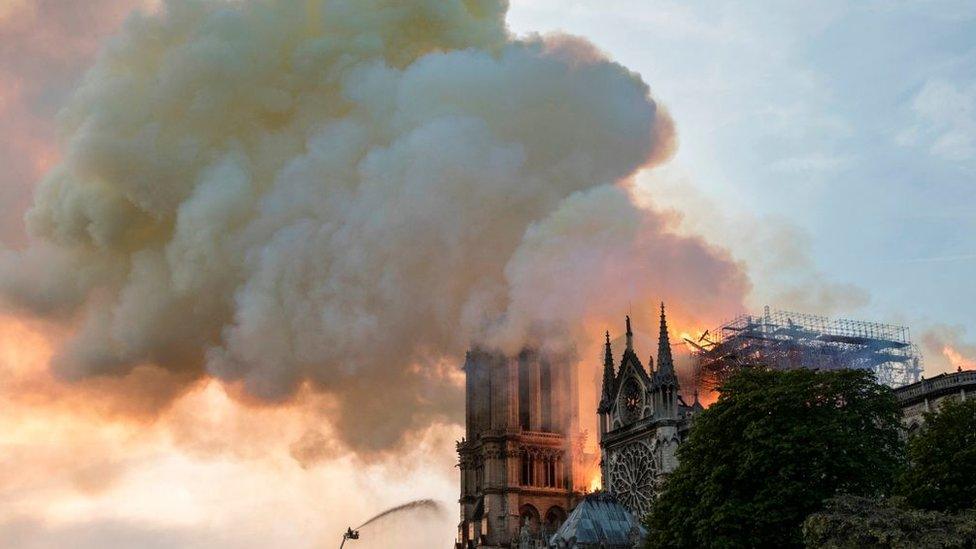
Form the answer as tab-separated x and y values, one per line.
665	364
609	377
630	336
697	405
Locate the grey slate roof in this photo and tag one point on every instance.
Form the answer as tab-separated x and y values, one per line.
598	521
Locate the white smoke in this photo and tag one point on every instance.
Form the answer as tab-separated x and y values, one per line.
347	193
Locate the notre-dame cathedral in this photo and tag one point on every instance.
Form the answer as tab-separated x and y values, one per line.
522	460
642	420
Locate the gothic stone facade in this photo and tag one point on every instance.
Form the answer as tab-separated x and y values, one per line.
521	459
928	394
642	421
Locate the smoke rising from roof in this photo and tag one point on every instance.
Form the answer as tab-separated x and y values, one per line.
348	194
947	349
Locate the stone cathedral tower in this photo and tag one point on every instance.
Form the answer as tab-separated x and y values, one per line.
642	420
521	459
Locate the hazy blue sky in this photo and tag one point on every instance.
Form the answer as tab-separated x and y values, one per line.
854	123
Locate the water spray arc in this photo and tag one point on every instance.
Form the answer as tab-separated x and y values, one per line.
418	505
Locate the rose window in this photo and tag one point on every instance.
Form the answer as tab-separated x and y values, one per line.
632	474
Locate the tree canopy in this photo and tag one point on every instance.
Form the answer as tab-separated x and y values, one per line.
941	473
849	521
769	452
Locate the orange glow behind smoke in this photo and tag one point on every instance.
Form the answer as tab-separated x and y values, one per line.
707	398
68	459
23	349
957	360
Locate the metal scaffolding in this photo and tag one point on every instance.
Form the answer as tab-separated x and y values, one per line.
783	340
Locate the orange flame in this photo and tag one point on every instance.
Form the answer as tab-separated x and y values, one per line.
957	360
596	483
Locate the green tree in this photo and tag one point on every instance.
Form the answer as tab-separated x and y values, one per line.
941	474
857	522
768	453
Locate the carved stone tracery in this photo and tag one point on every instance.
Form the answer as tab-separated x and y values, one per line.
633	470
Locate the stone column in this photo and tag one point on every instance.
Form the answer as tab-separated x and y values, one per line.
499	389
573	397
535	394
469	396
514	460
574	470
537	464
557	396
512	367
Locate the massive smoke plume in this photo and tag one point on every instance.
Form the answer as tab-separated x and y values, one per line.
45	45
348	194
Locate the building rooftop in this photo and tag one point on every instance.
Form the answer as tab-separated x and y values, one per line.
599	521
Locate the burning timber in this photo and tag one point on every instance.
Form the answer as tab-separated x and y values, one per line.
785	340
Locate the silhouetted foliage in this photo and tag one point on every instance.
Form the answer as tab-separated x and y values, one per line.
769	452
855	522
941	474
